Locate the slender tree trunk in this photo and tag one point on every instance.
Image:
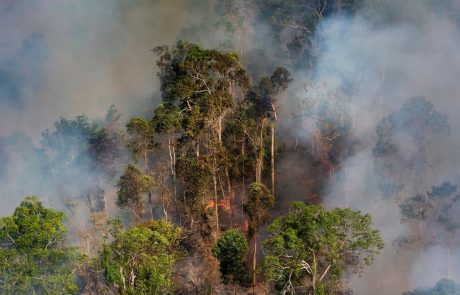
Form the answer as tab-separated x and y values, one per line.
258	169
214	179
163	195
146	162
150	205
138	212
230	194
174	178
449	264
219	128
314	274
347	190
273	157
421	232
170	156
244	184
260	153
254	263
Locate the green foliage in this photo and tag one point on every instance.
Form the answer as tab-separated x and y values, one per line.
33	226
443	287
311	248
166	118
132	186
201	80
142	140
196	178
141	260
259	202
231	250
33	259
264	95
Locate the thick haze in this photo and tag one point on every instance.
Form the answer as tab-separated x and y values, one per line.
65	58
389	53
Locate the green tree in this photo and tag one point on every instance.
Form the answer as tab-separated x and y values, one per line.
203	81
141	259
309	249
443	287
167	119
413	125
302	20
434	215
259	202
33	257
107	145
200	86
132	187
279	81
142	141
231	250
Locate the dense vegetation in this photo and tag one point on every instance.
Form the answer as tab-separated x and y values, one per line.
187	197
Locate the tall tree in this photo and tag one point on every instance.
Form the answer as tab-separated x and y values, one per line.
442	287
132	187
259	202
142	141
203	81
200	86
411	126
301	19
141	259
231	250
167	119
309	249
434	215
33	255
280	81
258	113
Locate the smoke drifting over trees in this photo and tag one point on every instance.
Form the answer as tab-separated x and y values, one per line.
174	110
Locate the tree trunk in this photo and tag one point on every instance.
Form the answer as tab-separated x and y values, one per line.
347	191
146	163
214	179
260	153
254	263
170	156
244	180
174	177
150	205
163	197
314	274
258	169
219	127
230	194
449	264
421	232
273	157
